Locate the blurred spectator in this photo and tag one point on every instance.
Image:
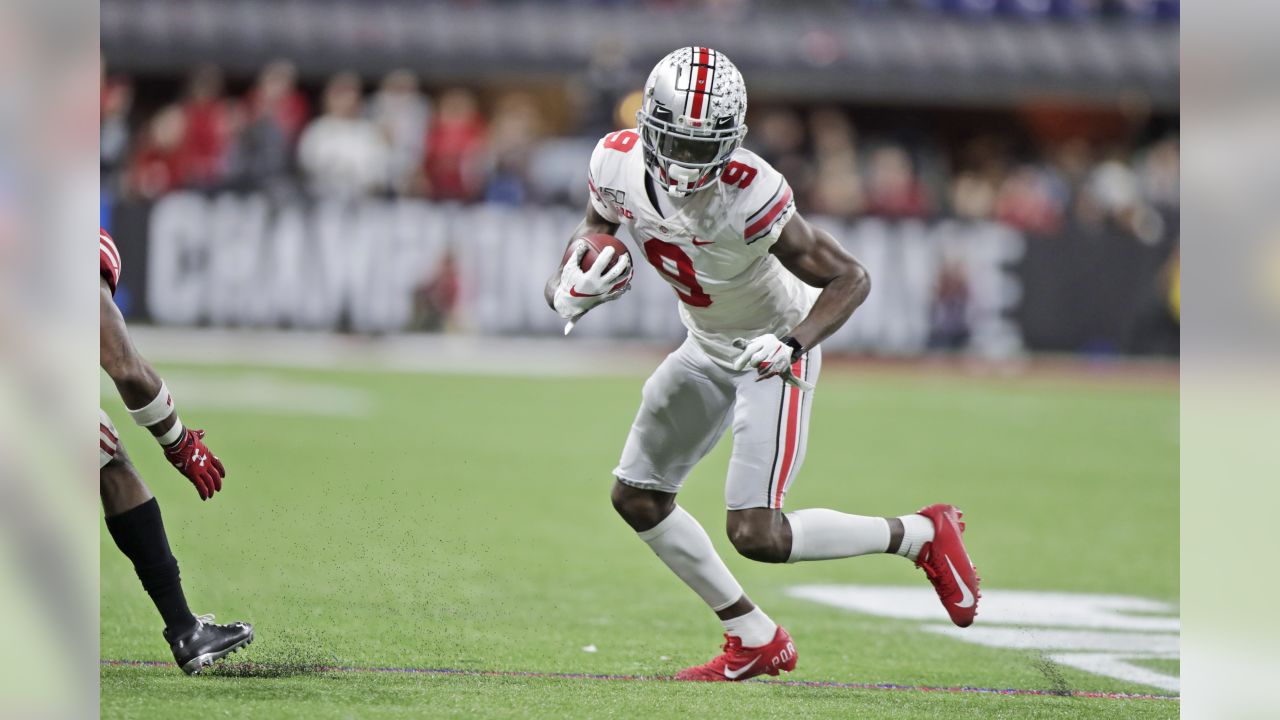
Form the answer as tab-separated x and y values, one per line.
1158	174
160	163
972	196
835	187
276	95
892	187
113	148
777	135
949	311
260	154
401	113
1072	160
209	123
512	137
436	298
453	168
342	153
1026	200
607	80
1112	196
832	133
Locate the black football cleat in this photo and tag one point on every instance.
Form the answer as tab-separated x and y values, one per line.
207	642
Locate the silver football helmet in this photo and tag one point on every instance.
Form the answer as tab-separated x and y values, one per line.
692	118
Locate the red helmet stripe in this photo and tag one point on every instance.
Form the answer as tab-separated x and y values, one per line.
702	85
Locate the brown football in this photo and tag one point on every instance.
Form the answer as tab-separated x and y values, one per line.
595	245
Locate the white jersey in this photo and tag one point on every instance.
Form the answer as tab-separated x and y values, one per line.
711	247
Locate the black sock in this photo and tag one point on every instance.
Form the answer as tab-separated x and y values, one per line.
139	533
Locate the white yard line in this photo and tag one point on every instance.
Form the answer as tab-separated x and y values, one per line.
1100	634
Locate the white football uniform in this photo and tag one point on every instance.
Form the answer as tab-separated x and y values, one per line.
713	249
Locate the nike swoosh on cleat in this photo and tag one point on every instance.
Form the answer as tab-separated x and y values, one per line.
573	292
735	674
967	600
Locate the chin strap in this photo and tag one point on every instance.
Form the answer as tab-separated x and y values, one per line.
683	181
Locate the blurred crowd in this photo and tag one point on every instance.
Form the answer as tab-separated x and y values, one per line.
1040	190
1159	10
1139	10
394	139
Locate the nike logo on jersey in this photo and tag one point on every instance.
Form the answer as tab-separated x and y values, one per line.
573	292
967	600
735	674
696	241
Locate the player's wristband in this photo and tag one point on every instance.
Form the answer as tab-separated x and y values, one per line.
173	434
796	348
158	409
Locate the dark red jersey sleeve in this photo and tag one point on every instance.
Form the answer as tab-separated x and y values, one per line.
108	260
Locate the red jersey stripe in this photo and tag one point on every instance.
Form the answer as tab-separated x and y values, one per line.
764	222
108	259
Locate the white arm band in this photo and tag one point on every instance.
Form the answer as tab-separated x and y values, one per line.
156	410
173	433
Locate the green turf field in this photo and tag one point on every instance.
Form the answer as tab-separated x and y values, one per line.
417	521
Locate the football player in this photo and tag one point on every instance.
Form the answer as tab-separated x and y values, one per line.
759	289
133	516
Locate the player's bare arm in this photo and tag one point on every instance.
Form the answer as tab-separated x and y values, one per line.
149	401
135	379
815	257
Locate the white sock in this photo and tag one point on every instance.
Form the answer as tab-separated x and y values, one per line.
754	629
819	534
685	547
916	531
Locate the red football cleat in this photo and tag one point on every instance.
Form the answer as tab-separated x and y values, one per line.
947	564
740	663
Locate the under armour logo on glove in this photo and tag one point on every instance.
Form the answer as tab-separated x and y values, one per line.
188	454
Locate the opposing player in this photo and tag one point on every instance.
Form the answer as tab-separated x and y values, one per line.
133	516
759	289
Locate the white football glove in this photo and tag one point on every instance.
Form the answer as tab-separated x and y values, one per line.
769	356
580	290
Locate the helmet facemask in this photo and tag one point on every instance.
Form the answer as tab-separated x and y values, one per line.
684	159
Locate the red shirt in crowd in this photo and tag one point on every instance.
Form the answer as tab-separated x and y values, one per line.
454	158
208	133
